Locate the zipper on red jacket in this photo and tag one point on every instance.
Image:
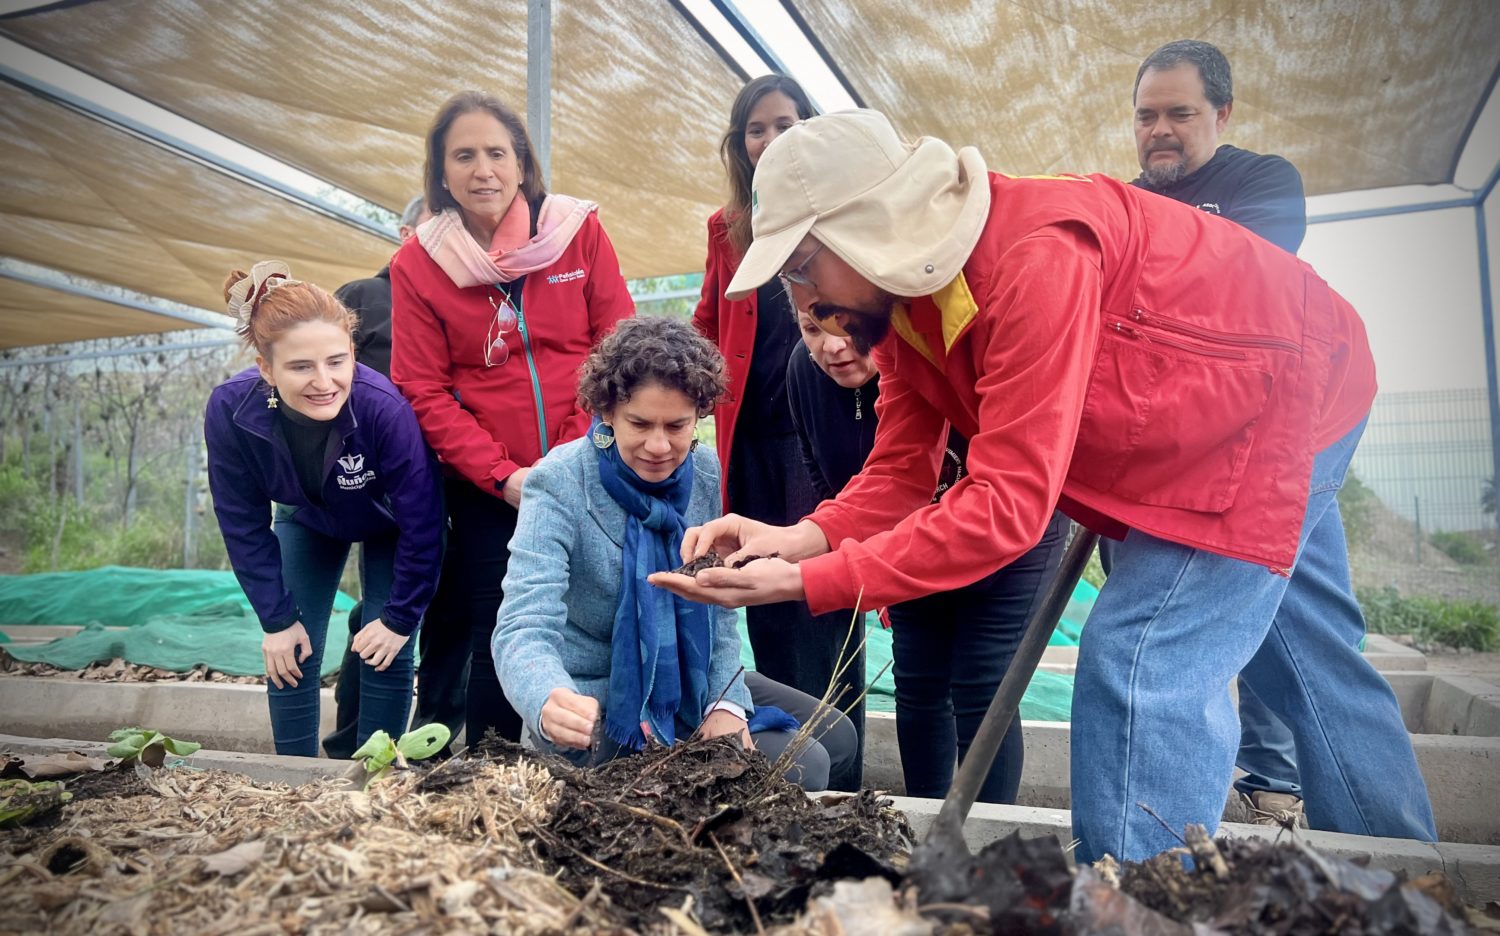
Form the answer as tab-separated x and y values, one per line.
1205	334
536	382
1139	335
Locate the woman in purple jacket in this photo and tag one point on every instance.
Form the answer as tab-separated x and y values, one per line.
334	450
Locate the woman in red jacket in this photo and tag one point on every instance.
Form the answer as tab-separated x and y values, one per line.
758	449
495	305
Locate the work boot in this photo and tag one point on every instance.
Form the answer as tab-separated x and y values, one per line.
1276	809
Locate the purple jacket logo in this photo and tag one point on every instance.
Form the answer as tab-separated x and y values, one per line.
353	465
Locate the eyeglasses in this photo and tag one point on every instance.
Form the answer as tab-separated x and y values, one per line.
496	351
796	276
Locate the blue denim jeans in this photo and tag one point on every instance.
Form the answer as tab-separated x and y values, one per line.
1268	753
949	652
311	565
1153	722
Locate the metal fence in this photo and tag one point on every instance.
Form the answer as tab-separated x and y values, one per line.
1426	458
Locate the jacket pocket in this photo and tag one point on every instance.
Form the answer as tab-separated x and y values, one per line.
1169	423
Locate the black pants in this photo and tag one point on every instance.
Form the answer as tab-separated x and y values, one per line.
443	663
480	528
767	482
949	652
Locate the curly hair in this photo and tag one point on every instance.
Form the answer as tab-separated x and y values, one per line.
652	349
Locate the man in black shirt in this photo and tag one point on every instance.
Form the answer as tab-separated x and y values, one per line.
370	299
1183	98
950	650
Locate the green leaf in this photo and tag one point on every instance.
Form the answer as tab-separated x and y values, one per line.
378	752
181	748
424	742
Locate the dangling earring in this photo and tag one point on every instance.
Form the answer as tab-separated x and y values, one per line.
604	436
694	446
271	401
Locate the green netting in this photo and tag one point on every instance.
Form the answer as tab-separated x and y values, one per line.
1049	696
172	619
117	596
178	619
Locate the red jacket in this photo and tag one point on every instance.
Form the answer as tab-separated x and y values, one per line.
729	324
486	422
1135	361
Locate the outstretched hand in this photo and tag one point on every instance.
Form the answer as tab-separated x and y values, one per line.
764	581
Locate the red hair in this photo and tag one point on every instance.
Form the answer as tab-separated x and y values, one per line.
277	311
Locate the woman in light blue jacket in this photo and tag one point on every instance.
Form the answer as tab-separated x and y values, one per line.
592	657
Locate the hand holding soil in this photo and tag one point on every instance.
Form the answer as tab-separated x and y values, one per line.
758	580
568	718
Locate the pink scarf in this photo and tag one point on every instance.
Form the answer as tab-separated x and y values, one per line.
450	245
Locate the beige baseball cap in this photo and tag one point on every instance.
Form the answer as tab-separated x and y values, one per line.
905	216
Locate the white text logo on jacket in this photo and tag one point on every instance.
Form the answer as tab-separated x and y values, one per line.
567	277
354	476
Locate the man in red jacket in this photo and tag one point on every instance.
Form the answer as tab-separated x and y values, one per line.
1139	364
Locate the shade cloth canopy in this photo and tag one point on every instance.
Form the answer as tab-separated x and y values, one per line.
93	201
347	92
1357	94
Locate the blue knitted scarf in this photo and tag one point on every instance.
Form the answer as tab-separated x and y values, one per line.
662	643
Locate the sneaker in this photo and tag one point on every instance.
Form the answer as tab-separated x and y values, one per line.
1276	809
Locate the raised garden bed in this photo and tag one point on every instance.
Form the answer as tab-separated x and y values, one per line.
681	841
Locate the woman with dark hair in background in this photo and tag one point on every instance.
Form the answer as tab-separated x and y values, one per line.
333	447
496	303
757	443
593	657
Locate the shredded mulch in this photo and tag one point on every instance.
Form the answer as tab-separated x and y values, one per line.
500	840
119	670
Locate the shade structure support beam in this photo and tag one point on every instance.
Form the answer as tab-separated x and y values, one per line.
194	317
1487	317
123	122
539	83
215	342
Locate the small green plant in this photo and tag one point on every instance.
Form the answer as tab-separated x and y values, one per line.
1463	548
148	746
1431	622
23	801
380	754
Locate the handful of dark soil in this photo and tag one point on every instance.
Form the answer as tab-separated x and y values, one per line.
712	560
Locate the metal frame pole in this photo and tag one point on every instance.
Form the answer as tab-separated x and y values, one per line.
1487	317
539	82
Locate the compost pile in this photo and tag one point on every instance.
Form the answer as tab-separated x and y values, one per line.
1253	887
702	837
497	840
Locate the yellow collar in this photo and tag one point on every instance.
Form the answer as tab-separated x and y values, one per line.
956	311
